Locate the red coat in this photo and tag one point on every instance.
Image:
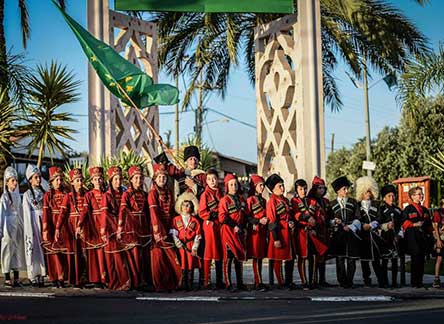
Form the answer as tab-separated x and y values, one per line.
230	216
303	209
279	215
67	223
187	234
161	204
110	218
134	218
52	202
208	213
91	219
256	232
165	267
118	270
56	263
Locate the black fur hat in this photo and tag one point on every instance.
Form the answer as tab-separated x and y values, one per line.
273	180
190	151
340	182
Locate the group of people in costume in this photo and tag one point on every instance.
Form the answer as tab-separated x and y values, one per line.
122	237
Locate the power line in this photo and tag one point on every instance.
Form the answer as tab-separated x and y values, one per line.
231	118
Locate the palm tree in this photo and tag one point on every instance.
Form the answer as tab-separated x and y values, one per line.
353	31
423	75
50	88
26	33
7	131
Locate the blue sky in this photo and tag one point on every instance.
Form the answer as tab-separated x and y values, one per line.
52	40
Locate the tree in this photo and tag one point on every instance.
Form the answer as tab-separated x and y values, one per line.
52	87
421	138
26	33
387	152
351	31
423	76
7	131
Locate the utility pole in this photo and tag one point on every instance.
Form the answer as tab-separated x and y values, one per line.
332	142
367	116
199	110
176	121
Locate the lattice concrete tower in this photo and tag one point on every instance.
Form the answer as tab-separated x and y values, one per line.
112	126
290	114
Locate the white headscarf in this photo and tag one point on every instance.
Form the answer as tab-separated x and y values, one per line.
33	169
10	172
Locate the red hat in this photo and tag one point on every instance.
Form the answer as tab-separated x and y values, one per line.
114	170
317	182
75	174
227	178
96	172
159	168
254	181
133	170
55	172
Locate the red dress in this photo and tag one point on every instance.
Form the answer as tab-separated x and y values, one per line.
232	214
165	269
70	211
136	236
303	209
208	212
279	215
187	234
134	218
257	233
115	251
90	224
55	261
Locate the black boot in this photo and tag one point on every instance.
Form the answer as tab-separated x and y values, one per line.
238	267
184	282
190	280
289	268
219	275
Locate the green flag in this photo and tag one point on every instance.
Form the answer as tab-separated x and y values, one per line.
120	76
258	6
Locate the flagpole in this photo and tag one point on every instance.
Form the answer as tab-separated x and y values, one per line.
152	129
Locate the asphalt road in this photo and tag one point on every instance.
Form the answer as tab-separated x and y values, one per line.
101	310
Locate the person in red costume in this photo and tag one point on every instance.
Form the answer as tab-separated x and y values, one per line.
186	233
280	225
208	213
67	231
55	261
416	220
115	251
232	232
317	192
89	224
308	245
257	228
166	270
133	228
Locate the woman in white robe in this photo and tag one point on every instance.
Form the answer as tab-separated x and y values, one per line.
32	216
12	255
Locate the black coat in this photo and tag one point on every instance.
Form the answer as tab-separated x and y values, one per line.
417	239
342	243
372	245
395	243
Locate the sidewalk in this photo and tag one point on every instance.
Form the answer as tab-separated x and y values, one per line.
217	295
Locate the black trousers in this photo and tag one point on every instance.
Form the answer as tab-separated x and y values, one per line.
417	270
394	262
344	274
377	268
